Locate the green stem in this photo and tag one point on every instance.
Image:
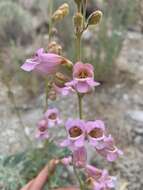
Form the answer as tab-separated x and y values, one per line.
50	20
80	105
78	178
78	35
47	90
47	86
84	12
78	46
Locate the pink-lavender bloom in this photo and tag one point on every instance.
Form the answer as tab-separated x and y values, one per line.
80	157
64	91
83	78
110	152
42	130
44	63
76	134
100	179
96	133
66	161
52	117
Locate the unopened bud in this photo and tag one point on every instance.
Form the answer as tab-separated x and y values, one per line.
78	20
53	47
67	63
95	18
61	79
57	16
65	9
52	95
61	12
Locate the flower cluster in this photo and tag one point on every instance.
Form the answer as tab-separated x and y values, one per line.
77	78
45	63
100	179
49	120
83	78
79	132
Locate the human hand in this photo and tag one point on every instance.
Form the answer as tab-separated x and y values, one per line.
39	182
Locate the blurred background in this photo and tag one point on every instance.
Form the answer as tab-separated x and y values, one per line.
115	48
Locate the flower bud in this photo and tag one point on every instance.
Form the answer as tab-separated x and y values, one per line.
67	63
57	16
60	79
61	12
94	18
78	20
65	9
52	95
53	47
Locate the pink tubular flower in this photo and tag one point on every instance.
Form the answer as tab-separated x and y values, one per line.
76	134
66	160
42	130
110	151
80	157
83	78
52	117
64	91
95	131
44	63
100	179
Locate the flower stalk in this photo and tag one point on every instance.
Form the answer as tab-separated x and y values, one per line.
78	46
81	185
62	77
50	20
80	105
78	34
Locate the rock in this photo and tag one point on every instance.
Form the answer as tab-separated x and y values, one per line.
136	115
131	57
138	140
131	168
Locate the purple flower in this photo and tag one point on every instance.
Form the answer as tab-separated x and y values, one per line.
52	117
80	157
64	91
83	78
76	134
42	130
66	160
96	133
100	179
110	151
44	63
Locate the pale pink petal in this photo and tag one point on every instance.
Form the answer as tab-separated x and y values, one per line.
29	65
92	83
80	157
66	161
65	143
79	142
82	87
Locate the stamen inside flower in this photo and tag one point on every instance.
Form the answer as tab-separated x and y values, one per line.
98	175
75	131
52	116
96	133
83	74
42	129
111	148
